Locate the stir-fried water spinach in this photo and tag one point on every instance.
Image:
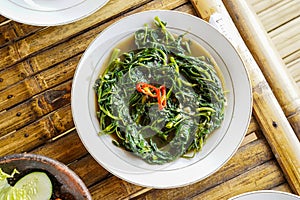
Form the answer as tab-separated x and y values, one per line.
159	100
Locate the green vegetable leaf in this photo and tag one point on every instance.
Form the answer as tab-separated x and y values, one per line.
195	99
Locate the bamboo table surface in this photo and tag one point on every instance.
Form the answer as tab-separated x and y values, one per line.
37	65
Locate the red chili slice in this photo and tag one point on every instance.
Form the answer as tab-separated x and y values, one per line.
162	98
152	91
147	89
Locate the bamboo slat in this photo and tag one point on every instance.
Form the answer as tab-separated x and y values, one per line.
286	38
293	65
6	34
14	74
113	188
67	149
47	59
279	14
187	8
89	170
249	138
255	179
260	5
17	93
292	58
37	133
2	19
38	83
247	157
23	30
27	138
269	61
294	69
14	31
268	112
35	108
284	188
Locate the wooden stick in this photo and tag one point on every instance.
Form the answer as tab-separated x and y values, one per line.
269	114
264	52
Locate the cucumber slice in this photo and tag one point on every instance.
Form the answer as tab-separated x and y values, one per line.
37	185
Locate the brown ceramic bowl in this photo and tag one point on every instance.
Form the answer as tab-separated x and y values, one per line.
71	183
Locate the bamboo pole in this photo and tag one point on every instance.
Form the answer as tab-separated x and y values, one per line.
267	57
267	110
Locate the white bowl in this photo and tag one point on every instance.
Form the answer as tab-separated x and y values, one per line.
220	145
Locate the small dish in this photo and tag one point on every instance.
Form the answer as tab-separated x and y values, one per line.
70	182
48	13
266	195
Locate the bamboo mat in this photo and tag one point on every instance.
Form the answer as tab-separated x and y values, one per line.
36	70
281	19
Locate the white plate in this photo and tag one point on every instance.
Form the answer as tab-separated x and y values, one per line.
220	146
266	195
48	12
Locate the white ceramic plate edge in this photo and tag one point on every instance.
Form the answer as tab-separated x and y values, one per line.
49	18
170	179
254	195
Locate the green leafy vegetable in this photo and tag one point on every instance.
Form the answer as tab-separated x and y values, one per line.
194	97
